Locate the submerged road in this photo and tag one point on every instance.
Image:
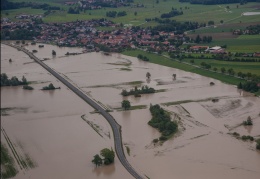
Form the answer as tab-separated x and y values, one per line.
115	126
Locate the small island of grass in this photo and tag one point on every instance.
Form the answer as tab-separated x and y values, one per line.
50	87
26	87
162	121
137	92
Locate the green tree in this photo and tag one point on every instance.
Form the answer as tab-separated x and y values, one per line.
223	70
148	75
53	53
126	104
109	156
97	160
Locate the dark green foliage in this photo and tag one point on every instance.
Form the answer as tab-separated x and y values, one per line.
97	160
249	86
109	156
50	87
137	92
236	134
121	13
111	14
13	81
247	138
248	122
258	144
26	87
144	58
53	53
18	34
172	13
7	164
162	120
155	140
126	104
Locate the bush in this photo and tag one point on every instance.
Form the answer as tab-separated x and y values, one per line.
155	140
163	138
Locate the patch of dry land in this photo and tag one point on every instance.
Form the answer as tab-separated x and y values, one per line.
62	144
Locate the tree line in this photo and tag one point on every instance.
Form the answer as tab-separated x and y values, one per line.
137	92
7	5
14	81
142	57
115	14
172	13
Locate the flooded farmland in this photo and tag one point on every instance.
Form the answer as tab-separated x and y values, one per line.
52	128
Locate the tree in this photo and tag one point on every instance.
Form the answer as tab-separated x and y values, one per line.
97	160
24	81
148	75
215	69
211	23
223	70
53	53
126	104
108	155
135	13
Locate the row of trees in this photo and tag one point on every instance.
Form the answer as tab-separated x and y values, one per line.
162	121
172	13
142	57
115	14
108	157
14	81
6	5
249	86
18	34
204	39
143	90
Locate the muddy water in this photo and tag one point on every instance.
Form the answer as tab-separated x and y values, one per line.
203	148
46	128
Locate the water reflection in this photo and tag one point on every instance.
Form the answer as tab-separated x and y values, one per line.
105	170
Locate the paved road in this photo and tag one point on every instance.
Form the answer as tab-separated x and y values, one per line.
115	126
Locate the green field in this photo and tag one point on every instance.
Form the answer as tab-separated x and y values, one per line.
152	10
174	64
244	43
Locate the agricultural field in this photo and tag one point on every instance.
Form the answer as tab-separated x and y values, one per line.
151	9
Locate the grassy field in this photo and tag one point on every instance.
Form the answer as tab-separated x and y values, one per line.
243	43
174	64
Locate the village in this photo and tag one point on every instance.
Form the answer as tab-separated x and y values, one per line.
87	34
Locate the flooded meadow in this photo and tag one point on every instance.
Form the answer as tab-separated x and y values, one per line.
58	134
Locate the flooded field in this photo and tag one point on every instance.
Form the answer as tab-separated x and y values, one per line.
50	128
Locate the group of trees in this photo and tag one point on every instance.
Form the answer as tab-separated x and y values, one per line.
144	58
172	13
125	104
250	86
204	39
73	10
169	25
18	34
13	81
137	92
115	14
108	157
162	121
6	5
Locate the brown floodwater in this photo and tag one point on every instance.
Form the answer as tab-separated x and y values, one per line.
203	147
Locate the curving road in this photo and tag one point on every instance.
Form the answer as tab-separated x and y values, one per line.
115	126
